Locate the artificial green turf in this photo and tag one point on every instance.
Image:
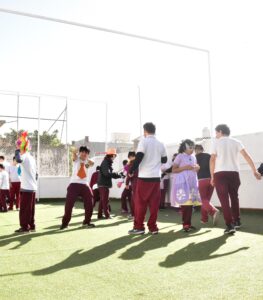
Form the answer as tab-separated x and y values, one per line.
106	263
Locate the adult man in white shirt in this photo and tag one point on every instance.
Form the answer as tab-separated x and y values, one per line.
151	154
224	168
79	186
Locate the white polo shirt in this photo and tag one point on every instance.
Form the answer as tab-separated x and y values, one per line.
4	180
28	172
227	151
76	166
13	174
153	150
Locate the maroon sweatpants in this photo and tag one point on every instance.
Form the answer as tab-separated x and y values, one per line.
206	191
147	195
74	191
96	197
164	192
227	185
104	202
3	195
133	194
187	214
27	210
14	194
126	197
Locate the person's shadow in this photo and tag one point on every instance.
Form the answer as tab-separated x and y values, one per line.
162	240
82	258
23	239
105	224
198	252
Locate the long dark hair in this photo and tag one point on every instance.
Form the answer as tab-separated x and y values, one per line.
182	146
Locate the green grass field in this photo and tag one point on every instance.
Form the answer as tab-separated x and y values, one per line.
106	263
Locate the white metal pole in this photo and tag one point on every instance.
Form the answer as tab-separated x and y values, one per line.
57	20
67	145
210	95
38	149
140	109
17	115
106	126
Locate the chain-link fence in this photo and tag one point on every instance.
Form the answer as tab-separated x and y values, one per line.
56	125
45	119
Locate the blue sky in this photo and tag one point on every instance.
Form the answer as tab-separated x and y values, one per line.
39	56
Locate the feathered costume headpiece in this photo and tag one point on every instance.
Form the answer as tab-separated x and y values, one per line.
23	142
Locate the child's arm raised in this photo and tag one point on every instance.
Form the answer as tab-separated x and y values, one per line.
75	154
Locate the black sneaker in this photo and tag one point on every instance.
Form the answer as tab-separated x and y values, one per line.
188	228
22	231
237	225
62	227
90	225
230	229
136	231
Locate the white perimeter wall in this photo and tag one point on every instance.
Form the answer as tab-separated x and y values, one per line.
251	190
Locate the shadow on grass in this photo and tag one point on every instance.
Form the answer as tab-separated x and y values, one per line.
198	252
106	223
191	253
81	258
23	239
161	240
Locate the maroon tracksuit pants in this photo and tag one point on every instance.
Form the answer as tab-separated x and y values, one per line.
147	195
27	210
104	202
126	197
3	195
206	191
227	185
14	194
96	197
187	211
133	193
74	191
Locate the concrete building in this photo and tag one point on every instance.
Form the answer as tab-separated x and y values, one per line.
120	141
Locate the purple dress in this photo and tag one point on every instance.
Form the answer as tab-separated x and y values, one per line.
185	184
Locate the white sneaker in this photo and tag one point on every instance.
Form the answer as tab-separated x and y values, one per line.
154	232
